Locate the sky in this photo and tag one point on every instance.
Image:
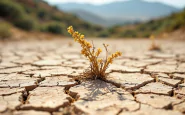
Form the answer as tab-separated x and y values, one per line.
176	3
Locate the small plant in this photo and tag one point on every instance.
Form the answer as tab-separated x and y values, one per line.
98	66
70	44
154	46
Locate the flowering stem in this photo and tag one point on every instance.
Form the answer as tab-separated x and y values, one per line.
98	67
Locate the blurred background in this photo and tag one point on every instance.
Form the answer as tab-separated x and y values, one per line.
48	19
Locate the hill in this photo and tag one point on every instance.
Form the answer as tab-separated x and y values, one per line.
159	27
37	15
90	17
125	11
94	19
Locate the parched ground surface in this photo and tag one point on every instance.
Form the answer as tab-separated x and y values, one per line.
36	78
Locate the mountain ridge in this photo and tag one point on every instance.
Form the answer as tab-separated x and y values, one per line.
123	10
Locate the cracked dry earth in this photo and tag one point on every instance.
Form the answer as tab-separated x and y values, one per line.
36	78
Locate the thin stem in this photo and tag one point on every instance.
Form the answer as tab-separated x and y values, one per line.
105	62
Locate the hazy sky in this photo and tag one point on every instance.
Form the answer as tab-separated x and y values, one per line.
177	3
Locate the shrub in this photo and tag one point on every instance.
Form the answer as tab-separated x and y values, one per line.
146	34
104	34
128	33
25	23
85	25
112	30
5	31
10	10
42	14
98	66
56	18
55	28
28	10
98	28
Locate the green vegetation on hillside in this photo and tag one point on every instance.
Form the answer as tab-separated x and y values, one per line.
37	15
5	31
153	27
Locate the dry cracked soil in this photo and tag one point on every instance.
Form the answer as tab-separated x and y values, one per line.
37	78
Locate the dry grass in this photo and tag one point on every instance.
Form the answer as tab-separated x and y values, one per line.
154	46
98	65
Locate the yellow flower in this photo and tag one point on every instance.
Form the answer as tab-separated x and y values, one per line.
100	60
109	60
115	55
98	66
82	37
82	51
70	29
119	53
99	50
88	45
75	35
152	37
